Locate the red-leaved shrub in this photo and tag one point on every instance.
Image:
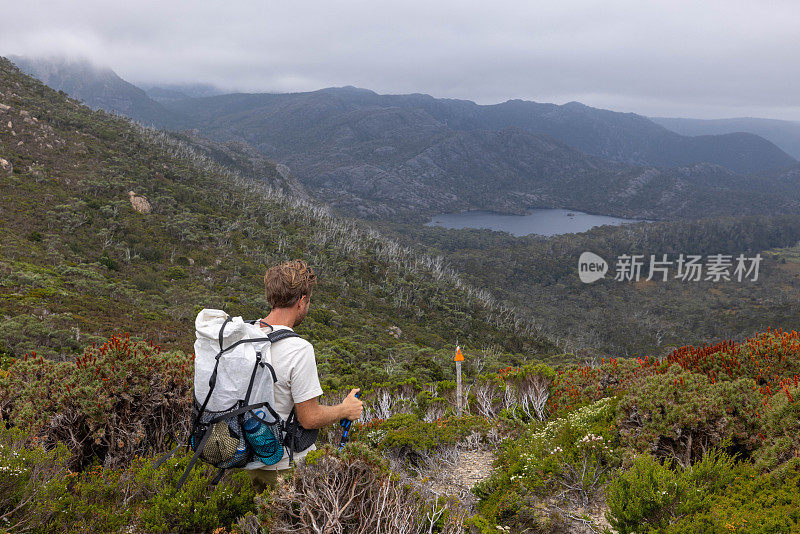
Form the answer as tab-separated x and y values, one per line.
113	402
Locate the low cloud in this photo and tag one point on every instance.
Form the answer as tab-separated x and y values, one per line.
701	59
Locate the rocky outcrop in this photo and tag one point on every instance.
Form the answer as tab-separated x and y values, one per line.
139	203
289	183
245	158
5	166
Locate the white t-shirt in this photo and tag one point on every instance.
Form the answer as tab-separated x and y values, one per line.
296	368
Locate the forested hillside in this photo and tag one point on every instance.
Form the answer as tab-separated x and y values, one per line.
79	262
540	275
622	137
406	157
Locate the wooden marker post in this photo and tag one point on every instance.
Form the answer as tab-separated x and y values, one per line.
458	359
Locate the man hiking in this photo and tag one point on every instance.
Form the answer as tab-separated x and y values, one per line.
288	290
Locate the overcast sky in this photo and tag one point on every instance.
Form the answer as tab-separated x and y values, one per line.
705	59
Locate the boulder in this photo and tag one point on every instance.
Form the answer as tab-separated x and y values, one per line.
6	167
139	202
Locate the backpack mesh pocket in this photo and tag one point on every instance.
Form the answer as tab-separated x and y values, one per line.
225	446
264	439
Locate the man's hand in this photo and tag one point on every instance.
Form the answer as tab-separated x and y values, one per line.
351	406
312	414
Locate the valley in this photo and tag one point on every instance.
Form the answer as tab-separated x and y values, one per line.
610	406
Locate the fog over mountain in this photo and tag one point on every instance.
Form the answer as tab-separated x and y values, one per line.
97	86
713	59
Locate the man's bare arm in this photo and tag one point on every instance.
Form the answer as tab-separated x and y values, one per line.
312	414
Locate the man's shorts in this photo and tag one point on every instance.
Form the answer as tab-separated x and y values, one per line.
265	478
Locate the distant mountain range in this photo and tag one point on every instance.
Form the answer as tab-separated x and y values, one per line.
405	156
411	156
180	91
621	137
785	134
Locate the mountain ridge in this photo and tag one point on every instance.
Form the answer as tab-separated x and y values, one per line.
410	156
612	135
404	163
783	133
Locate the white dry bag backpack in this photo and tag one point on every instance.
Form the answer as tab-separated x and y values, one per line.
233	419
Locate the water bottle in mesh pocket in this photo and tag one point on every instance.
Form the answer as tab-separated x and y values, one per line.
264	437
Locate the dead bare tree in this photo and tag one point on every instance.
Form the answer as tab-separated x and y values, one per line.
487	397
350	494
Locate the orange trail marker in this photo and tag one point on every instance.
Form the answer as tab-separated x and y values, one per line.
458	359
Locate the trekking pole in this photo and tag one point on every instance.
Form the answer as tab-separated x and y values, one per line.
345	424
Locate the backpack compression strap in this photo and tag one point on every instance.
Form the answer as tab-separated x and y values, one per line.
212	381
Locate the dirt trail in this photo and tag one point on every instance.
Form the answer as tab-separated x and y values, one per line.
472	467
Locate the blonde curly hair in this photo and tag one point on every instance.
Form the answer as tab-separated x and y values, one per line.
286	283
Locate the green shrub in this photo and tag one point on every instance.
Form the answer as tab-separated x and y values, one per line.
148	281
780	430
149	253
644	498
570	457
197	506
176	272
6	356
113	402
430	407
32	481
108	261
408	438
741	499
39	494
679	414
716	494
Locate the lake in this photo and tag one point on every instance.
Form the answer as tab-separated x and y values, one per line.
539	221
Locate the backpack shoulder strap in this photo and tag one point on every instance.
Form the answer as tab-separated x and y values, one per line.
278	335
275	335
